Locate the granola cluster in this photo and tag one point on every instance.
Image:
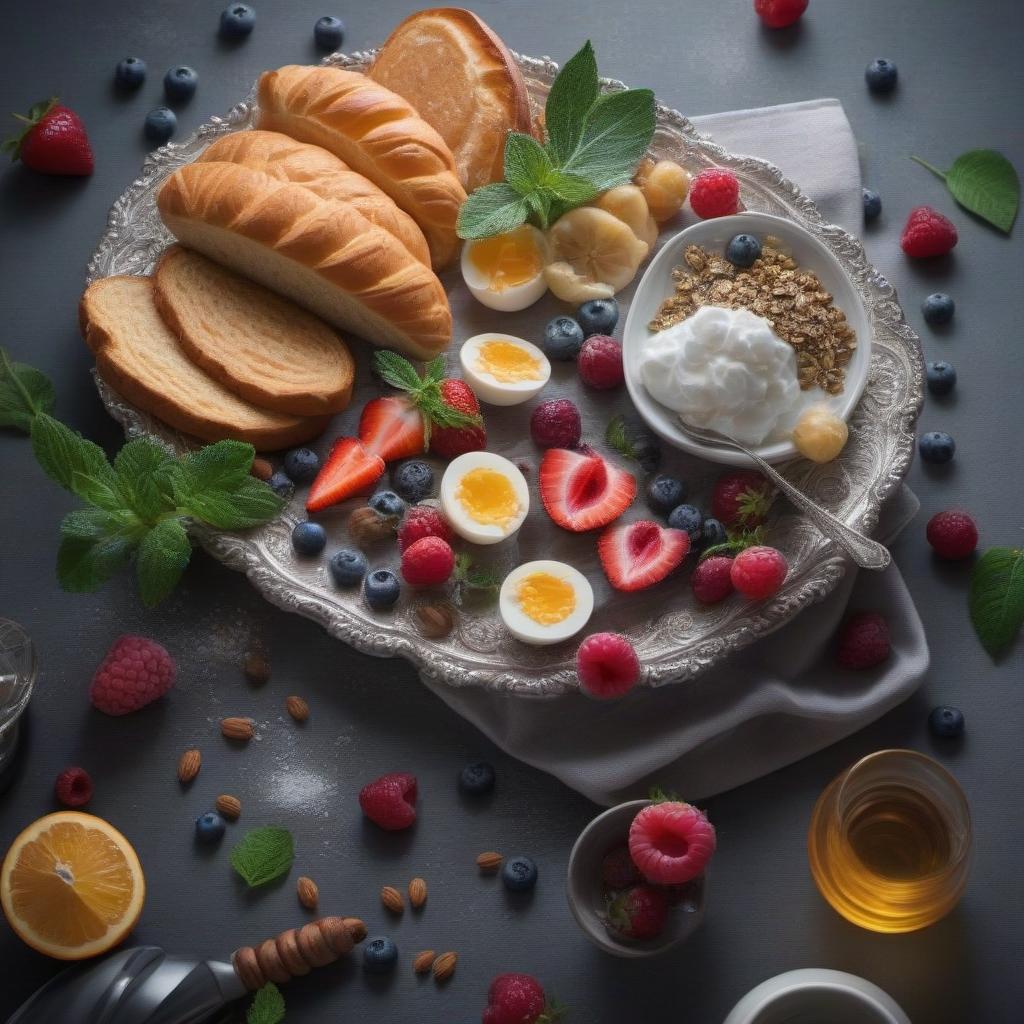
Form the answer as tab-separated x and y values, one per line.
793	301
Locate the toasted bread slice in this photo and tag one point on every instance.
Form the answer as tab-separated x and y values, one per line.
139	357
323	173
257	344
463	81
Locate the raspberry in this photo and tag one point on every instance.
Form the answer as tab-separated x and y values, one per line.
607	665
73	787
671	842
135	672
422	521
742	498
779	13
715	192
712	579
514	999
427	562
758	572
600	362
390	801
640	913
952	534
618	870
556	424
927	233
863	641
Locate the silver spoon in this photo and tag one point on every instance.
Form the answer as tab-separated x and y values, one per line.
867	553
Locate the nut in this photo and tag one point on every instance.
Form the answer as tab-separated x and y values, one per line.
309	894
392	899
417	892
237	728
435	620
444	966
356	928
262	469
297	708
489	861
367	526
423	962
228	806
256	668
188	765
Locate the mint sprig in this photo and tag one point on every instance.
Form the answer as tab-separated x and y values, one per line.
594	142
996	599
263	855
984	182
267	1006
24	393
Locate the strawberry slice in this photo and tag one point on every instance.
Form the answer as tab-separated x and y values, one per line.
349	469
392	428
638	555
581	491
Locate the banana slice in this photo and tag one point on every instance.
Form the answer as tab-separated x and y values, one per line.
593	255
627	202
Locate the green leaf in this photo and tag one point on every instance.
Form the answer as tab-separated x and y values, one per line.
263	855
984	182
163	555
572	94
250	503
63	453
97	491
539	201
616	436
142	468
491	210
397	371
24	393
527	164
996	599
267	1006
94	545
217	467
472	576
572	189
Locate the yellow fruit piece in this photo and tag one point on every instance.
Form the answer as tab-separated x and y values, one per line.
71	886
819	434
665	186
627	202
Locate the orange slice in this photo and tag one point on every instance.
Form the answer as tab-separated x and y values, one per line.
71	886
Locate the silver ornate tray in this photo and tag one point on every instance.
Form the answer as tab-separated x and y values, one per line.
676	638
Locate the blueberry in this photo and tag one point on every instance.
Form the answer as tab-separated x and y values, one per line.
302	464
941	378
380	955
180	84
414	480
664	493
881	75
563	338
688	518
329	32
210	828
742	250
936	446
347	567
387	503
477	778
872	204
712	533
381	589
281	484
160	124
519	874
130	73
938	308
946	722
598	316
309	538
237	21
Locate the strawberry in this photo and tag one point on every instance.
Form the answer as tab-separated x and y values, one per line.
348	469
638	555
392	428
639	913
449	411
53	142
581	491
741	499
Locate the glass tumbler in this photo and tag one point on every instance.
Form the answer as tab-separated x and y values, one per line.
17	676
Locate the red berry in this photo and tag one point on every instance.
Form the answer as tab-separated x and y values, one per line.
73	787
927	233
639	554
758	572
779	13
712	579
953	534
863	641
556	424
671	842
390	801
639	913
135	672
514	999
581	491
422	521
742	498
54	141
618	870
607	665
450	442
600	362
428	562
715	192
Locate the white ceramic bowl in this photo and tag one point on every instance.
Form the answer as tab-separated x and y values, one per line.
657	285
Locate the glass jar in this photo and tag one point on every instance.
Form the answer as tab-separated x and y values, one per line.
17	677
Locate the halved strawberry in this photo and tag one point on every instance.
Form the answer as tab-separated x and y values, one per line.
349	469
581	491
392	428
638	555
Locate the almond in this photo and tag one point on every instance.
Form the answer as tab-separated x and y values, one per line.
392	899
417	892
256	668
356	928
366	526
423	962
489	861
444	966
237	728
228	806
435	620
262	469
188	765
308	892
297	708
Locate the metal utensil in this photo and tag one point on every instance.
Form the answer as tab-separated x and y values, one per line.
867	553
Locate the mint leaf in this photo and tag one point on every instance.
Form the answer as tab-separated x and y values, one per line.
526	162
263	855
571	188
250	503
572	94
984	182
97	491
996	599
217	467
397	371
94	545
163	555
142	468
491	210
63	453
540	201
267	1006
24	393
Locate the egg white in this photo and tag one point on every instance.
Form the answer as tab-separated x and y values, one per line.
497	392
514	298
522	627
466	527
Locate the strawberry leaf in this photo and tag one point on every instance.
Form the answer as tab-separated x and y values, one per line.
267	1006
996	599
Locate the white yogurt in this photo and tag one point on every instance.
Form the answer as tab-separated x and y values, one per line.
725	370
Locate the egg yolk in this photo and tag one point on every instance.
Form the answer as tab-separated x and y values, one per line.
507	362
507	260
545	598
488	497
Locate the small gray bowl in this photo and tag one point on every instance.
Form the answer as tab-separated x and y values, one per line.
586	900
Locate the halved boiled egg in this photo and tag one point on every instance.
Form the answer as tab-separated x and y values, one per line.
503	369
484	497
506	272
544	602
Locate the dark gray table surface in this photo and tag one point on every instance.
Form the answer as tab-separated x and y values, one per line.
960	87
